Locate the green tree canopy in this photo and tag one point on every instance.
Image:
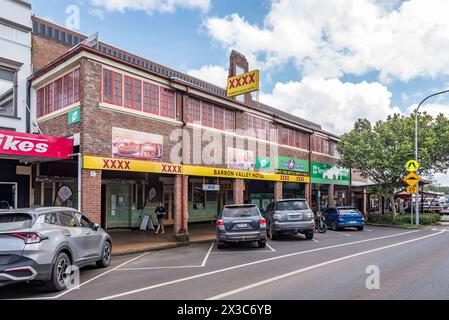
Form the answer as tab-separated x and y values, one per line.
380	151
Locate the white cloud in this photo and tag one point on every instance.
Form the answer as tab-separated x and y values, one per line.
441	179
95	12
151	6
330	38
333	104
214	74
434	109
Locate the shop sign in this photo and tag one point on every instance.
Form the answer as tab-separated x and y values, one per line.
211	187
263	163
330	174
99	163
33	145
240	159
294	166
74	116
243	83
137	145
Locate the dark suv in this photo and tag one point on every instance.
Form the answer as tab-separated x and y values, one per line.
291	216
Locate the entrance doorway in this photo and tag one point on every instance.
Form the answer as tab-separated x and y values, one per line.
8	195
169	205
222	200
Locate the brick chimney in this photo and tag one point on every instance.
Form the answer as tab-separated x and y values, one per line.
238	64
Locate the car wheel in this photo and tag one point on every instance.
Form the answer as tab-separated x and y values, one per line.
309	235
262	243
105	255
59	275
272	234
220	244
334	226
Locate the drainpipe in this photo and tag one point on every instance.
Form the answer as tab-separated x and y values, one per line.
80	165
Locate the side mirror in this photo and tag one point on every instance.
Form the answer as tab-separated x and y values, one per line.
96	226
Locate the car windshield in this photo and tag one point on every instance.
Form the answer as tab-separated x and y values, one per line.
244	211
348	211
14	221
292	205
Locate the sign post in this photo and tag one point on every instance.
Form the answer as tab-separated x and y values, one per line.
412	179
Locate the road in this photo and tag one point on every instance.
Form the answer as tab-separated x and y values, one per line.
412	264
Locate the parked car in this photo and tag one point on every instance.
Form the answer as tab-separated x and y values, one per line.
344	217
241	223
291	216
40	244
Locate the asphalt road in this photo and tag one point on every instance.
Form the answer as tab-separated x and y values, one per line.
411	265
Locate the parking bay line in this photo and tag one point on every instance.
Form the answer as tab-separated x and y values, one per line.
286	275
271	248
201	275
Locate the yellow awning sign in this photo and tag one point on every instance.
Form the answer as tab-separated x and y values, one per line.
243	83
411	190
412	165
113	164
412	179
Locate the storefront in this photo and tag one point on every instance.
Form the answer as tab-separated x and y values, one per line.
330	185
18	153
295	167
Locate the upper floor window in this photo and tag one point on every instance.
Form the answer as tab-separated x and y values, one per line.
323	145
258	128
150	98
60	93
133	93
168	108
295	138
210	115
7	92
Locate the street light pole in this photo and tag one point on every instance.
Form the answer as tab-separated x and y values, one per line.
416	147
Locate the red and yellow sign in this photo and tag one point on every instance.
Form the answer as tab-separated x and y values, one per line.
99	163
243	83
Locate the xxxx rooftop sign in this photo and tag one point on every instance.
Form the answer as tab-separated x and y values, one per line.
243	83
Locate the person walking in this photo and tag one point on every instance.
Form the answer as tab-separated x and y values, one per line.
160	214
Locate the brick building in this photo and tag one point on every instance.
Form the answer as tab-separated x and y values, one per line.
147	133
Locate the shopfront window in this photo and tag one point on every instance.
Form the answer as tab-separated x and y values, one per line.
7	92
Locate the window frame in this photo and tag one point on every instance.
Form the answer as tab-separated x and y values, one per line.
14	91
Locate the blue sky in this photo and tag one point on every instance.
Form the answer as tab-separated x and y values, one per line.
329	61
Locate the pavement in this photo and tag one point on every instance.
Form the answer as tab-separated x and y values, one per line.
408	264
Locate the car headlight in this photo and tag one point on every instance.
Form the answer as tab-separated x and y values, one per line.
310	215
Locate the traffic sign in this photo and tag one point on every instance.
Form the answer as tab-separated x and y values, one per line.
411	190
412	179
412	165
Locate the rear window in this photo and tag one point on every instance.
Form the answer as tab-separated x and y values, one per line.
241	212
14	221
348	211
292	205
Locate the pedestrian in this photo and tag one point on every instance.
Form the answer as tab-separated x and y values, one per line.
160	214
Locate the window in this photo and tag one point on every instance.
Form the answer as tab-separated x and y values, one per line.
133	93
150	98
7	92
68	89
320	145
229	120
48	98
193	110
167	103
50	218
207	114
40	102
112	87
76	85
257	127
218	118
57	99
83	221
107	86
117	89
66	219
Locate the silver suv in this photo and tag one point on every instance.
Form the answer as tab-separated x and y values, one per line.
290	216
40	245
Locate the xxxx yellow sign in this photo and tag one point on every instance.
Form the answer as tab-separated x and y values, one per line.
243	83
412	179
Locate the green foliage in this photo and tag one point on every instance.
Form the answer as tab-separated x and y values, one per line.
379	152
403	219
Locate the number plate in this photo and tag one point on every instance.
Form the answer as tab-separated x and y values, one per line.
295	217
242	225
352	222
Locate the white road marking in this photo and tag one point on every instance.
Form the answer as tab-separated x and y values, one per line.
157	268
201	275
368	230
271	248
207	255
88	281
242	251
315	240
343	234
283	276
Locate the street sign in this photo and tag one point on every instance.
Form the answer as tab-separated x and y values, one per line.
411	190
412	165
412	179
74	116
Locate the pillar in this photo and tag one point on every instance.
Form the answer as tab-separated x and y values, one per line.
308	193
331	195
185	204
91	195
239	186
278	190
178	204
365	202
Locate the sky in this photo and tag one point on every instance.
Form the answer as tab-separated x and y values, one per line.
328	61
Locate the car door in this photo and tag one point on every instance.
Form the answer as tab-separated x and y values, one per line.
91	238
73	235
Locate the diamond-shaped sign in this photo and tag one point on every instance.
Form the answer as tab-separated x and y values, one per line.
412	179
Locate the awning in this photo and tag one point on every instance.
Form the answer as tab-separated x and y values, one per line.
33	147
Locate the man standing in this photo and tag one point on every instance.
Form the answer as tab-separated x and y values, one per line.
160	214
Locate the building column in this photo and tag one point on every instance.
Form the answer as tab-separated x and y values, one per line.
331	195
308	193
91	195
178	204
278	190
365	202
239	186
185	204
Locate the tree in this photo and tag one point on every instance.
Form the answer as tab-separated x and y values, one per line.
380	152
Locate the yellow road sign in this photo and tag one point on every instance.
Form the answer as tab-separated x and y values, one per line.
412	179
412	165
411	190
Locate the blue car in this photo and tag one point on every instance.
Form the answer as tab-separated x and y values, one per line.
344	217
